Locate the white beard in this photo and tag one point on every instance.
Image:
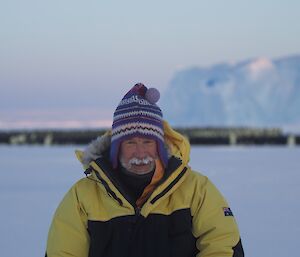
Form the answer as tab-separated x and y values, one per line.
129	166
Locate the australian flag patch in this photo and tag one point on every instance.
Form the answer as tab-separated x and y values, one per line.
227	211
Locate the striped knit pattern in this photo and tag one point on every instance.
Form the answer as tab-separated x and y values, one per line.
137	127
136	116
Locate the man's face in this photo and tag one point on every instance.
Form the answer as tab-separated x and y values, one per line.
138	155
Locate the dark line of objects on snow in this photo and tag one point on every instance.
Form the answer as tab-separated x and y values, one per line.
196	136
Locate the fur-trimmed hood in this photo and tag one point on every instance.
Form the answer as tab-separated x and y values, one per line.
176	144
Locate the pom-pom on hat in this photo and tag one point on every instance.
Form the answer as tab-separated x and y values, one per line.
138	115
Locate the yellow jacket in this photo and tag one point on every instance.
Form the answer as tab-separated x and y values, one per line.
184	216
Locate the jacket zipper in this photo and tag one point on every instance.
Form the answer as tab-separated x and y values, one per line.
109	191
137	211
117	185
169	187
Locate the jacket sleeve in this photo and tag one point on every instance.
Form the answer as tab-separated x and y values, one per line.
68	234
214	225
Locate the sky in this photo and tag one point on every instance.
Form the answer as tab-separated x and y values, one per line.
68	63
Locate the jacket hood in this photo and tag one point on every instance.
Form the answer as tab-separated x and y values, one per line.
177	145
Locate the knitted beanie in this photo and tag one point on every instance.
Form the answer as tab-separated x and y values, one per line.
138	115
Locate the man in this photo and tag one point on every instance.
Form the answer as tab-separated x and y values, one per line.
140	197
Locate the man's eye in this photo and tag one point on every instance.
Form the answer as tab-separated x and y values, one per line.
148	142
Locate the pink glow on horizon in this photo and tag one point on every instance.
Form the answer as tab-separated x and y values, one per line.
55	124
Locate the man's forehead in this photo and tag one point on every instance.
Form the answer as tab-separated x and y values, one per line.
139	139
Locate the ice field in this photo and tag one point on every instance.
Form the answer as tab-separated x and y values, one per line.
262	185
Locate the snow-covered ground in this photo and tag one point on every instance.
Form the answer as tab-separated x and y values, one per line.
262	185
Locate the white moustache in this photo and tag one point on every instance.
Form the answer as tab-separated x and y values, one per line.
137	161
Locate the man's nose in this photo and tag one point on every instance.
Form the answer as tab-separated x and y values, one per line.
140	151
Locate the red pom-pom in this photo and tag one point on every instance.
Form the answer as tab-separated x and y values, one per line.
139	89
